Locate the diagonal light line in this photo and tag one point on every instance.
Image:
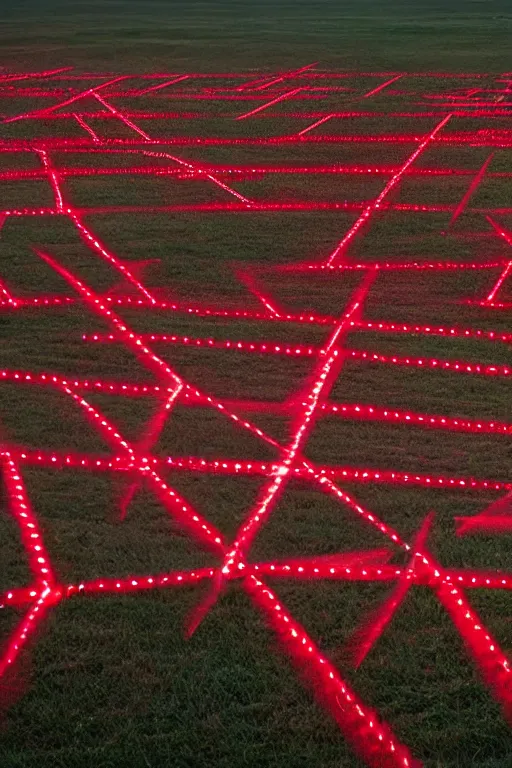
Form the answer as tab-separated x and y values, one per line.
86	127
82	95
164	85
284	96
354	718
320	390
199	173
476	181
381	87
33	75
508	267
279	79
314	125
93	242
375	204
147	441
53	179
201	530
121	117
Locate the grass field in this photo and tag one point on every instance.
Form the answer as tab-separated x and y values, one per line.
111	680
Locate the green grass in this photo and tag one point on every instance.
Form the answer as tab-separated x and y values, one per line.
111	681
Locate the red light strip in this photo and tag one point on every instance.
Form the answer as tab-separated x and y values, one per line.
123	463
389	265
175	504
121	117
315	125
318	391
27	626
53	178
508	267
381	87
86	127
21	510
433	363
375	204
256	84
329	568
364	729
199	172
346	566
471	191
366	636
469	139
346	410
48	110
381	413
283	96
8	295
34	75
248	279
482	647
484	523
98	247
164	85
147	441
298	350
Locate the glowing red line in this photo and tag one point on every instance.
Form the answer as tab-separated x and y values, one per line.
53	178
484	524
389	265
148	439
381	87
433	421
200	173
375	204
286	75
83	94
473	139
508	268
470	192
34	75
164	85
345	410
251	283
277	481
121	117
27	626
99	248
433	363
176	505
315	351
493	663
86	127
240	467
370	737
270	103
27	523
371	630
314	125
9	297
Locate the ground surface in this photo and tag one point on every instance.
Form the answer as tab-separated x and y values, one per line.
207	228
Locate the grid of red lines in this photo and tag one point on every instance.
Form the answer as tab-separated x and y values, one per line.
486	97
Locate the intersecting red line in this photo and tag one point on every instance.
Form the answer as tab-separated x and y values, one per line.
134	459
